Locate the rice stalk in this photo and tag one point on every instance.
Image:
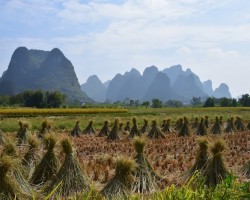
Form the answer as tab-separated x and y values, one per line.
76	131
119	187
49	165
70	177
104	130
134	130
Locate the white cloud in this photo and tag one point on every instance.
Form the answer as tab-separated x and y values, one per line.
104	38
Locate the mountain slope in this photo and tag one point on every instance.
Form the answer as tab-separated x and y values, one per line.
47	70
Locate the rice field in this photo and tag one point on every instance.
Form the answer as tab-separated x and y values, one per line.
171	157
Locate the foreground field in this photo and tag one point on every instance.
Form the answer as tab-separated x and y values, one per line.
170	157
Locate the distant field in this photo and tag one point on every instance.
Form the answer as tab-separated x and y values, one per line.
64	119
33	112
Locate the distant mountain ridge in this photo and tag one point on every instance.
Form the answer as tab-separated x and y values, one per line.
171	83
38	69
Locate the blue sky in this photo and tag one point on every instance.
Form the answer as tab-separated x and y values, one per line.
212	37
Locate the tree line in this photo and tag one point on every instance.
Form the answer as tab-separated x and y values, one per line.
35	98
55	99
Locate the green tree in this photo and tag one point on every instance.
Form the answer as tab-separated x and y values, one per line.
4	100
146	104
55	99
156	103
245	100
196	101
225	102
209	102
174	104
234	102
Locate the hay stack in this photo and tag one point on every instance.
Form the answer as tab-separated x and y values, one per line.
216	129
178	124
105	129
70	179
31	157
155	131
248	126
22	134
134	130
206	121
119	187
9	188
230	128
46	126
185	130
201	158
49	164
163	123
239	124
145	127
1	137
196	123
146	180
167	128
121	127
127	127
246	169
202	128
89	129
76	131
18	171
215	171
115	133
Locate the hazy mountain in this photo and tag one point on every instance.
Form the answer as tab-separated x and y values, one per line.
187	86
171	83
160	88
117	83
106	83
94	89
208	88
37	69
222	91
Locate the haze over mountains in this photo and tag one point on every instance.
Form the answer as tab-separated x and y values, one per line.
51	70
172	83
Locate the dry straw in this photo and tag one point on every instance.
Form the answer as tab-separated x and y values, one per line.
202	129
216	171
119	187
216	128
155	131
167	127
31	157
9	188
69	180
230	128
49	164
145	127
127	127
89	129
185	129
46	126
201	158
246	169
178	124
115	133
146	179
18	171
134	131
22	134
76	131
239	124
104	130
